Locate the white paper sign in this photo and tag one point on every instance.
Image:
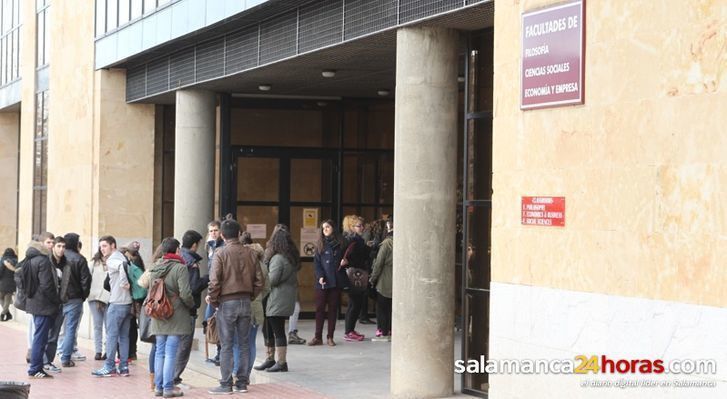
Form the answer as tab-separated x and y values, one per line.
257	231
308	238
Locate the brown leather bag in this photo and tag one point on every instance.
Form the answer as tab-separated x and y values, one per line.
157	305
211	334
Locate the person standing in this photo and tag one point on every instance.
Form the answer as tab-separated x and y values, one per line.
355	255
214	242
75	288
42	302
235	281
58	259
7	282
173	271
98	300
329	280
190	242
382	278
118	315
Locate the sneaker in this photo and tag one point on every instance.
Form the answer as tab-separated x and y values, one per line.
379	333
351	337
51	368
220	390
356	333
68	363
383	338
242	388
40	374
124	372
77	356
294	339
104	372
174	393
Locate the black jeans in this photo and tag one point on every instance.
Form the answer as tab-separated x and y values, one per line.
355	301
383	314
275	326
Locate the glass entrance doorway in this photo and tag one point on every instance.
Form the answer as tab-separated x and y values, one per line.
294	186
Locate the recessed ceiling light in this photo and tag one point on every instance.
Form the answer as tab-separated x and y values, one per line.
383	92
328	73
265	87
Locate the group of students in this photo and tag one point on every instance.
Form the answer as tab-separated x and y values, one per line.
248	287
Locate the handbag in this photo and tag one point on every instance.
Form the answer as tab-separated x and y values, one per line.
211	335
357	277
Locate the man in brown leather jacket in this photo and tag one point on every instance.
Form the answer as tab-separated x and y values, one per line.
235	281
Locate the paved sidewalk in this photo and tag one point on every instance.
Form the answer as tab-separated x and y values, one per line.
77	382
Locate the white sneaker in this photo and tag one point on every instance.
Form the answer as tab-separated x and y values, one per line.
77	356
51	368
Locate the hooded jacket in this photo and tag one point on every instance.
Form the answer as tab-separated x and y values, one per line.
196	283
172	269
44	300
76	280
256	306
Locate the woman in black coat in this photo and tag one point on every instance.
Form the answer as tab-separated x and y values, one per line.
7	282
355	255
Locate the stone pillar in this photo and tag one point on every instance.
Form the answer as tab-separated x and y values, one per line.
425	182
194	161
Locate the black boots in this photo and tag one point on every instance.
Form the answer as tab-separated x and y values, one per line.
278	367
269	359
6	317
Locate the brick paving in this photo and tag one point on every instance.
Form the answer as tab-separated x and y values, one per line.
77	382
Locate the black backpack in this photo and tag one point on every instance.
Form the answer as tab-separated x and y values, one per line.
25	284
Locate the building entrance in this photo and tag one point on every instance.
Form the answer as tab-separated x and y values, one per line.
294	186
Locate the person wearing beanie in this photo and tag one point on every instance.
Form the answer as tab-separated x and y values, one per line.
75	288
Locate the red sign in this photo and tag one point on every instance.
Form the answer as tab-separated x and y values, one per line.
543	211
552	56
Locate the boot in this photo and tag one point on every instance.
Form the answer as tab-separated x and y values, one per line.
294	339
282	364
269	360
151	382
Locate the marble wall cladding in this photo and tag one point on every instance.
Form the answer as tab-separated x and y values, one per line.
642	163
530	322
9	136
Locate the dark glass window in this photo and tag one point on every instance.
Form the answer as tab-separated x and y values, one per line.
43	33
40	163
9	41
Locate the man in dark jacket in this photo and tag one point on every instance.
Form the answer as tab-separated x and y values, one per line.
58	260
42	302
190	243
75	286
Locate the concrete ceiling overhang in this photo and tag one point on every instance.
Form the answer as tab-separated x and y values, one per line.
363	66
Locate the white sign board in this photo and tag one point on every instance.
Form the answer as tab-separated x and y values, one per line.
257	231
308	238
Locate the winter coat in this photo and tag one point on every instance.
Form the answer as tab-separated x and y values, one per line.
382	274
44	300
283	287
176	282
235	274
358	255
256	306
327	265
196	283
76	280
7	281
98	275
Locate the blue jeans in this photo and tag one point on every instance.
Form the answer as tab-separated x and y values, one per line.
72	312
164	361
98	314
251	348
233	319
152	355
43	325
118	319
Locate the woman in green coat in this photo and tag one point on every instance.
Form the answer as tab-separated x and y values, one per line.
283	262
173	271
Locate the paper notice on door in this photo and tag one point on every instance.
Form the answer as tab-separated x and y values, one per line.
308	238
257	231
310	218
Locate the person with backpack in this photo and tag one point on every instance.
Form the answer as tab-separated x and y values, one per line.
135	268
75	288
169	303
7	282
37	294
118	314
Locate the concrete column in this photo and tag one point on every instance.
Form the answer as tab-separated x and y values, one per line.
425	182
194	161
